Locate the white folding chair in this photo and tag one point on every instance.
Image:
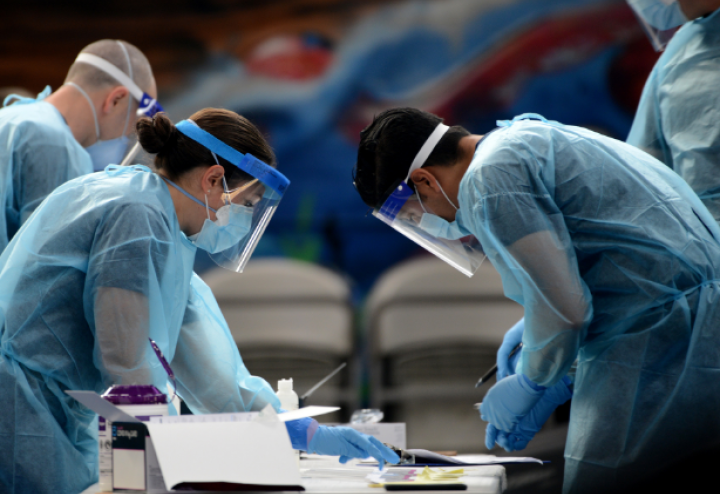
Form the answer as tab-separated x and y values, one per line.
290	319
432	333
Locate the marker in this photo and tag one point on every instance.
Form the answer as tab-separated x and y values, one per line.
494	369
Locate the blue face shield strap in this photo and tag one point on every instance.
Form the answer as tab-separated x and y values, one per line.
268	175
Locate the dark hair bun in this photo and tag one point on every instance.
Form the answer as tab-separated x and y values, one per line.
156	134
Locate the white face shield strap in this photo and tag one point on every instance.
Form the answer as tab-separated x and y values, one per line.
427	148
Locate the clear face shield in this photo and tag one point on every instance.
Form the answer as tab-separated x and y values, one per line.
248	207
403	211
660	19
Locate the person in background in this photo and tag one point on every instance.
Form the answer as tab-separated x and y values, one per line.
84	125
678	118
615	260
104	264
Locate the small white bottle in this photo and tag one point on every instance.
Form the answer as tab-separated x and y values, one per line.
288	398
289	401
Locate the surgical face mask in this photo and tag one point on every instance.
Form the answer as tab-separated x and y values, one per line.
439	227
110	151
661	14
233	223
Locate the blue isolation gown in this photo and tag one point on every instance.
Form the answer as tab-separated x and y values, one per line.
37	154
101	266
678	117
616	263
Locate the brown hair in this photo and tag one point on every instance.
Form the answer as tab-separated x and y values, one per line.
177	154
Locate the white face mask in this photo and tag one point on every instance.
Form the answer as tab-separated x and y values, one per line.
439	227
661	14
109	151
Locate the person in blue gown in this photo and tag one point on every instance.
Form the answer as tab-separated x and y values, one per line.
677	118
104	263
614	258
48	140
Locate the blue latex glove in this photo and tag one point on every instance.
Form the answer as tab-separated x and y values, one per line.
505	363
509	401
532	422
301	431
349	443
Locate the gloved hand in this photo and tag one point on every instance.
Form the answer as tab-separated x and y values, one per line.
509	401
301	431
529	425
349	443
505	363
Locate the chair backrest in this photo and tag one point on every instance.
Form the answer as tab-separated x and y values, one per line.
285	303
425	302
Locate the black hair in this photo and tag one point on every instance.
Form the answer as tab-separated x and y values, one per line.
177	154
388	147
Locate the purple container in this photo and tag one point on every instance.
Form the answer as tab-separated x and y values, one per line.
134	394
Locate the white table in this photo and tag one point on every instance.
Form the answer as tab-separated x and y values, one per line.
322	474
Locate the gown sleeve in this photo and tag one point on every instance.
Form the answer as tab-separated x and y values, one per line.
122	297
524	234
211	376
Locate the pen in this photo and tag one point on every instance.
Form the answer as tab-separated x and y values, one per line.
322	381
493	369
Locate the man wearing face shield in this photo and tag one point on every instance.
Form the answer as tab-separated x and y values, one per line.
81	127
105	264
677	120
615	260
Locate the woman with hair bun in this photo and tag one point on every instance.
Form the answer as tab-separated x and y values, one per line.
105	264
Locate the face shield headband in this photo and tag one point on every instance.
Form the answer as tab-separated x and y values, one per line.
262	194
403	211
148	106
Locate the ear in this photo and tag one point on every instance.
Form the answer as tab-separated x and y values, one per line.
212	178
425	182
114	98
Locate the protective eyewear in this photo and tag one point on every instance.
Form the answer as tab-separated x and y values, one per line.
263	193
403	212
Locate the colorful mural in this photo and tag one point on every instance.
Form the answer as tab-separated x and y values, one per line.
312	73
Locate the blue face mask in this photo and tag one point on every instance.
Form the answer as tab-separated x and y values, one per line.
661	14
439	227
110	151
232	225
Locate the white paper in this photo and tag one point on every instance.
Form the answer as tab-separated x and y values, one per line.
101	406
238	452
311	411
210	417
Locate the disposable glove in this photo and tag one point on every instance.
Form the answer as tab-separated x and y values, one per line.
349	443
301	431
509	401
505	363
529	425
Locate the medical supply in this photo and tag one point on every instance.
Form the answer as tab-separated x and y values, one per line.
130	463
289	401
288	398
366	416
659	18
675	119
231	241
531	423
349	443
404	212
494	369
509	400
31	133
